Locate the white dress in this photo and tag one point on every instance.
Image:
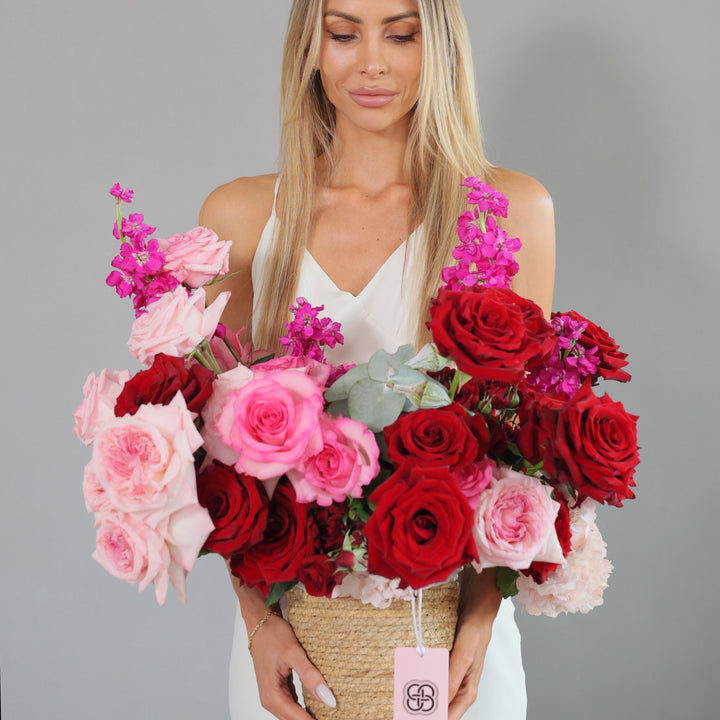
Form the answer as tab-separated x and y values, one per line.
378	318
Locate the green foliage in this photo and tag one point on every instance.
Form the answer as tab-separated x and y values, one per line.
277	590
506	580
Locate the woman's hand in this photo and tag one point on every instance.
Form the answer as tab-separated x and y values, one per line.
479	603
276	653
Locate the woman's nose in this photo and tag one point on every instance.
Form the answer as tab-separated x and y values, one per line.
372	60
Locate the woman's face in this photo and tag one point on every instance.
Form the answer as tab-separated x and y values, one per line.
370	60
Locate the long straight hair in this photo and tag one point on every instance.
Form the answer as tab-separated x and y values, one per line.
444	146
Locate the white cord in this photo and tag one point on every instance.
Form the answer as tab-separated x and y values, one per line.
417	621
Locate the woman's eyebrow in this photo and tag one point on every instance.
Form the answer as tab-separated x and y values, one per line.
386	21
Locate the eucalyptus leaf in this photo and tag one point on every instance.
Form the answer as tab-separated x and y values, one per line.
404	375
435	395
382	361
340	389
339	407
374	404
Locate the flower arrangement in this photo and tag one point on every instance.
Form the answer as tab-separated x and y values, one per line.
488	447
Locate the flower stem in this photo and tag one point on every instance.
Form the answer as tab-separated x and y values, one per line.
454	385
210	357
230	347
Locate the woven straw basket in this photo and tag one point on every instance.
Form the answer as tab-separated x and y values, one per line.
353	645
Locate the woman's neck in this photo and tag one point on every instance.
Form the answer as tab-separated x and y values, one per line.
368	161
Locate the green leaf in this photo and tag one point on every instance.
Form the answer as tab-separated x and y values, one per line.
506	580
372	403
263	359
339	407
340	389
382	361
428	359
277	590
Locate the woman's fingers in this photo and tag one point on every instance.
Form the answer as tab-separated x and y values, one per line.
312	678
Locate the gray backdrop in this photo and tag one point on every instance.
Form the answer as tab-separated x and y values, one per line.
612	105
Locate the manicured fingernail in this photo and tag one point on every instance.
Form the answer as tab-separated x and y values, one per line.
324	693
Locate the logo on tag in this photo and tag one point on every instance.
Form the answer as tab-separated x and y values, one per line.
420	697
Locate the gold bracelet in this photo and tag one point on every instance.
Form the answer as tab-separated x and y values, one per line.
268	615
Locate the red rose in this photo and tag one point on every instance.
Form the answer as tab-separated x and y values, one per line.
238	507
533	430
285	544
611	359
421	528
441	436
592	444
319	574
159	384
327	526
468	395
491	333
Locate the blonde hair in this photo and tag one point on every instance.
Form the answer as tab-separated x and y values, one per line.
444	147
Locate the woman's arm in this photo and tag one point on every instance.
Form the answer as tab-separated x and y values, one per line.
531	218
238	212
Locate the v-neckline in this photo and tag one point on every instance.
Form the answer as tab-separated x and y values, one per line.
371	281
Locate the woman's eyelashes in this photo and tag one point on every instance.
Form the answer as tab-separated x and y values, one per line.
399	38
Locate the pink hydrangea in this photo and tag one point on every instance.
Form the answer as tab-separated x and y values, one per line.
98	406
578	584
515	522
195	257
371	589
347	461
175	325
273	423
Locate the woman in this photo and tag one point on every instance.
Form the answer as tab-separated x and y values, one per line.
379	129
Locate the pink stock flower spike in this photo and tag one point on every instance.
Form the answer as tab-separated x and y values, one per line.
121	194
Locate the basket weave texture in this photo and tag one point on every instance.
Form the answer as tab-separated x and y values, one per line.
353	645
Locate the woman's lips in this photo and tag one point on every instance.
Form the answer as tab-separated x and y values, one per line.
372	97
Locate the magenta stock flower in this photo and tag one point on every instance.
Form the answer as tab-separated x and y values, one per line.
121	194
307	332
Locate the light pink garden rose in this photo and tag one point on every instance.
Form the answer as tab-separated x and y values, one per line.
175	324
347	461
578	584
223	387
144	462
474	478
317	371
96	499
130	549
273	423
515	522
195	257
98	406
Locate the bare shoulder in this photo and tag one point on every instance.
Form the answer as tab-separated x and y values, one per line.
238	211
531	217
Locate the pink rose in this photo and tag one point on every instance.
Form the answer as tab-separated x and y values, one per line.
98	406
223	388
175	324
474	478
195	257
515	522
144	462
96	499
133	551
317	371
273	423
347	461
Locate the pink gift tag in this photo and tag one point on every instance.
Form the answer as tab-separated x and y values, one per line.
421	684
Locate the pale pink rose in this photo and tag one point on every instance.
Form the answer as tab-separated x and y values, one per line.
133	551
273	423
578	584
96	499
474	478
317	371
347	461
99	395
195	257
515	522
175	324
145	463
223	387
185	532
